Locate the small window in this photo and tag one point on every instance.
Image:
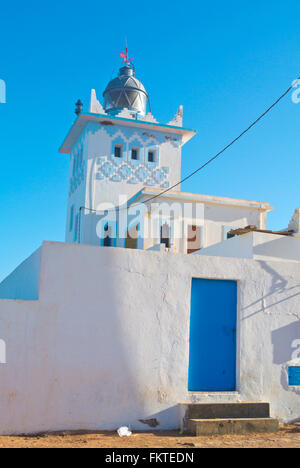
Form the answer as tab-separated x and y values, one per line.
135	154
118	151
152	156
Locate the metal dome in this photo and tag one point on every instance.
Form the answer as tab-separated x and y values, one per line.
125	91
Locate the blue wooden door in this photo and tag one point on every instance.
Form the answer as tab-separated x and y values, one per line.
213	318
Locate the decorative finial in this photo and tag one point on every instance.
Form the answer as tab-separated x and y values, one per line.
79	107
125	57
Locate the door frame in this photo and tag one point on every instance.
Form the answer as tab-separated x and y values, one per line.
238	337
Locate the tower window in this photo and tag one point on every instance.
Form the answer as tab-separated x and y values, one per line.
118	151
152	156
135	153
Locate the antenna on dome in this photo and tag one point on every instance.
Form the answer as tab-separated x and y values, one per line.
125	57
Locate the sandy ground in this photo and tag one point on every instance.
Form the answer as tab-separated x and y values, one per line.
287	437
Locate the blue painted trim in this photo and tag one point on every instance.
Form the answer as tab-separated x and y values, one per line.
213	323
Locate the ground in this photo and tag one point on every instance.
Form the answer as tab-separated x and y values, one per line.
287	437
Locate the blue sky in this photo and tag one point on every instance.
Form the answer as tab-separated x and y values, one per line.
224	61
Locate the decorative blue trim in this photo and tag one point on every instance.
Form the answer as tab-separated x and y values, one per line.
133	180
116	178
150	182
78	176
126	169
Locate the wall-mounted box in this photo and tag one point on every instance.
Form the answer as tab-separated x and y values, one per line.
294	375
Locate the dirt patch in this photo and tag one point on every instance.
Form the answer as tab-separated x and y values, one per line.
287	437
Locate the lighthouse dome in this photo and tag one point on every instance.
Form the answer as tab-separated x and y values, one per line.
125	91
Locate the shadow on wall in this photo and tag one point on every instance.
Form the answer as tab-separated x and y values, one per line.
284	380
108	375
284	342
23	283
82	355
283	247
279	286
102	368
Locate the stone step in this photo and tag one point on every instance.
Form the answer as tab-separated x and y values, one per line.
210	427
226	410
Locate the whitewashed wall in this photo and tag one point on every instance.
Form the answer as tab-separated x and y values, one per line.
107	342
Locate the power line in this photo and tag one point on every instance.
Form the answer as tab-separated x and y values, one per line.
203	165
225	148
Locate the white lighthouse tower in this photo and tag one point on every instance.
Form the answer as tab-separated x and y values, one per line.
115	151
121	157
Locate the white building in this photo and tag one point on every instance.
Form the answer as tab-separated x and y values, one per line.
120	157
94	338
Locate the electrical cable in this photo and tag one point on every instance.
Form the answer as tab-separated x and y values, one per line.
207	162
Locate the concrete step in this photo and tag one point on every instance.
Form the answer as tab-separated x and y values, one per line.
226	410
210	427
